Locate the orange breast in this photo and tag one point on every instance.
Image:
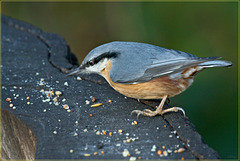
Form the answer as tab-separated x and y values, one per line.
154	89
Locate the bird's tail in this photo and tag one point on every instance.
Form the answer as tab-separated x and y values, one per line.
215	63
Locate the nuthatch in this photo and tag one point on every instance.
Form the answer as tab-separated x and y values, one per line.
145	71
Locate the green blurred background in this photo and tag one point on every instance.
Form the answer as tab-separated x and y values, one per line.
203	29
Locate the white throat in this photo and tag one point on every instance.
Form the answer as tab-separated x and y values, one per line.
97	68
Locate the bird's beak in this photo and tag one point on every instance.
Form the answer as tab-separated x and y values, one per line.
80	69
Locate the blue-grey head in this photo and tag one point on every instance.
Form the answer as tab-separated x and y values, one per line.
97	59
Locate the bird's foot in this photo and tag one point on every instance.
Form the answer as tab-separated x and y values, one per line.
150	113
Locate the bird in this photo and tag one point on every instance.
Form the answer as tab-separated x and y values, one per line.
144	71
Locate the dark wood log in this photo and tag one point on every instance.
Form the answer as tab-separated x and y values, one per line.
17	140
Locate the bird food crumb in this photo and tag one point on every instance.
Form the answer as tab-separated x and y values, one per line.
104	132
165	153
159	152
120	131
87	155
65	106
96	105
93	99
58	93
180	150
79	78
66	83
133	158
153	148
90	115
125	153
134	123
55	99
8	99
87	102
98	133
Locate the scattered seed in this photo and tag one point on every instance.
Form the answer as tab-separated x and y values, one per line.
85	130
93	99
182	158
163	147
90	115
44	110
87	155
102	152
79	78
98	133
11	105
95	153
104	132
65	83
28	98
55	99
14	107
154	148
65	106
58	93
120	131
133	158
8	99
125	153
87	102
96	105
55	132
165	153
169	151
139	158
159	152
180	150
109	101
134	123
128	141
110	133
71	150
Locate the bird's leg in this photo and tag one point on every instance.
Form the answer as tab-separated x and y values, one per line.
159	110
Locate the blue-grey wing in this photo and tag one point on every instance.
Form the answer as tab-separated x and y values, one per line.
146	62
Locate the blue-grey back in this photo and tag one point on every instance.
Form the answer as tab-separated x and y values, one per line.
140	62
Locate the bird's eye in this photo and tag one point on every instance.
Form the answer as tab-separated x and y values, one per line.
91	63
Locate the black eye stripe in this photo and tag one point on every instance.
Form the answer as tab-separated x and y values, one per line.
100	57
